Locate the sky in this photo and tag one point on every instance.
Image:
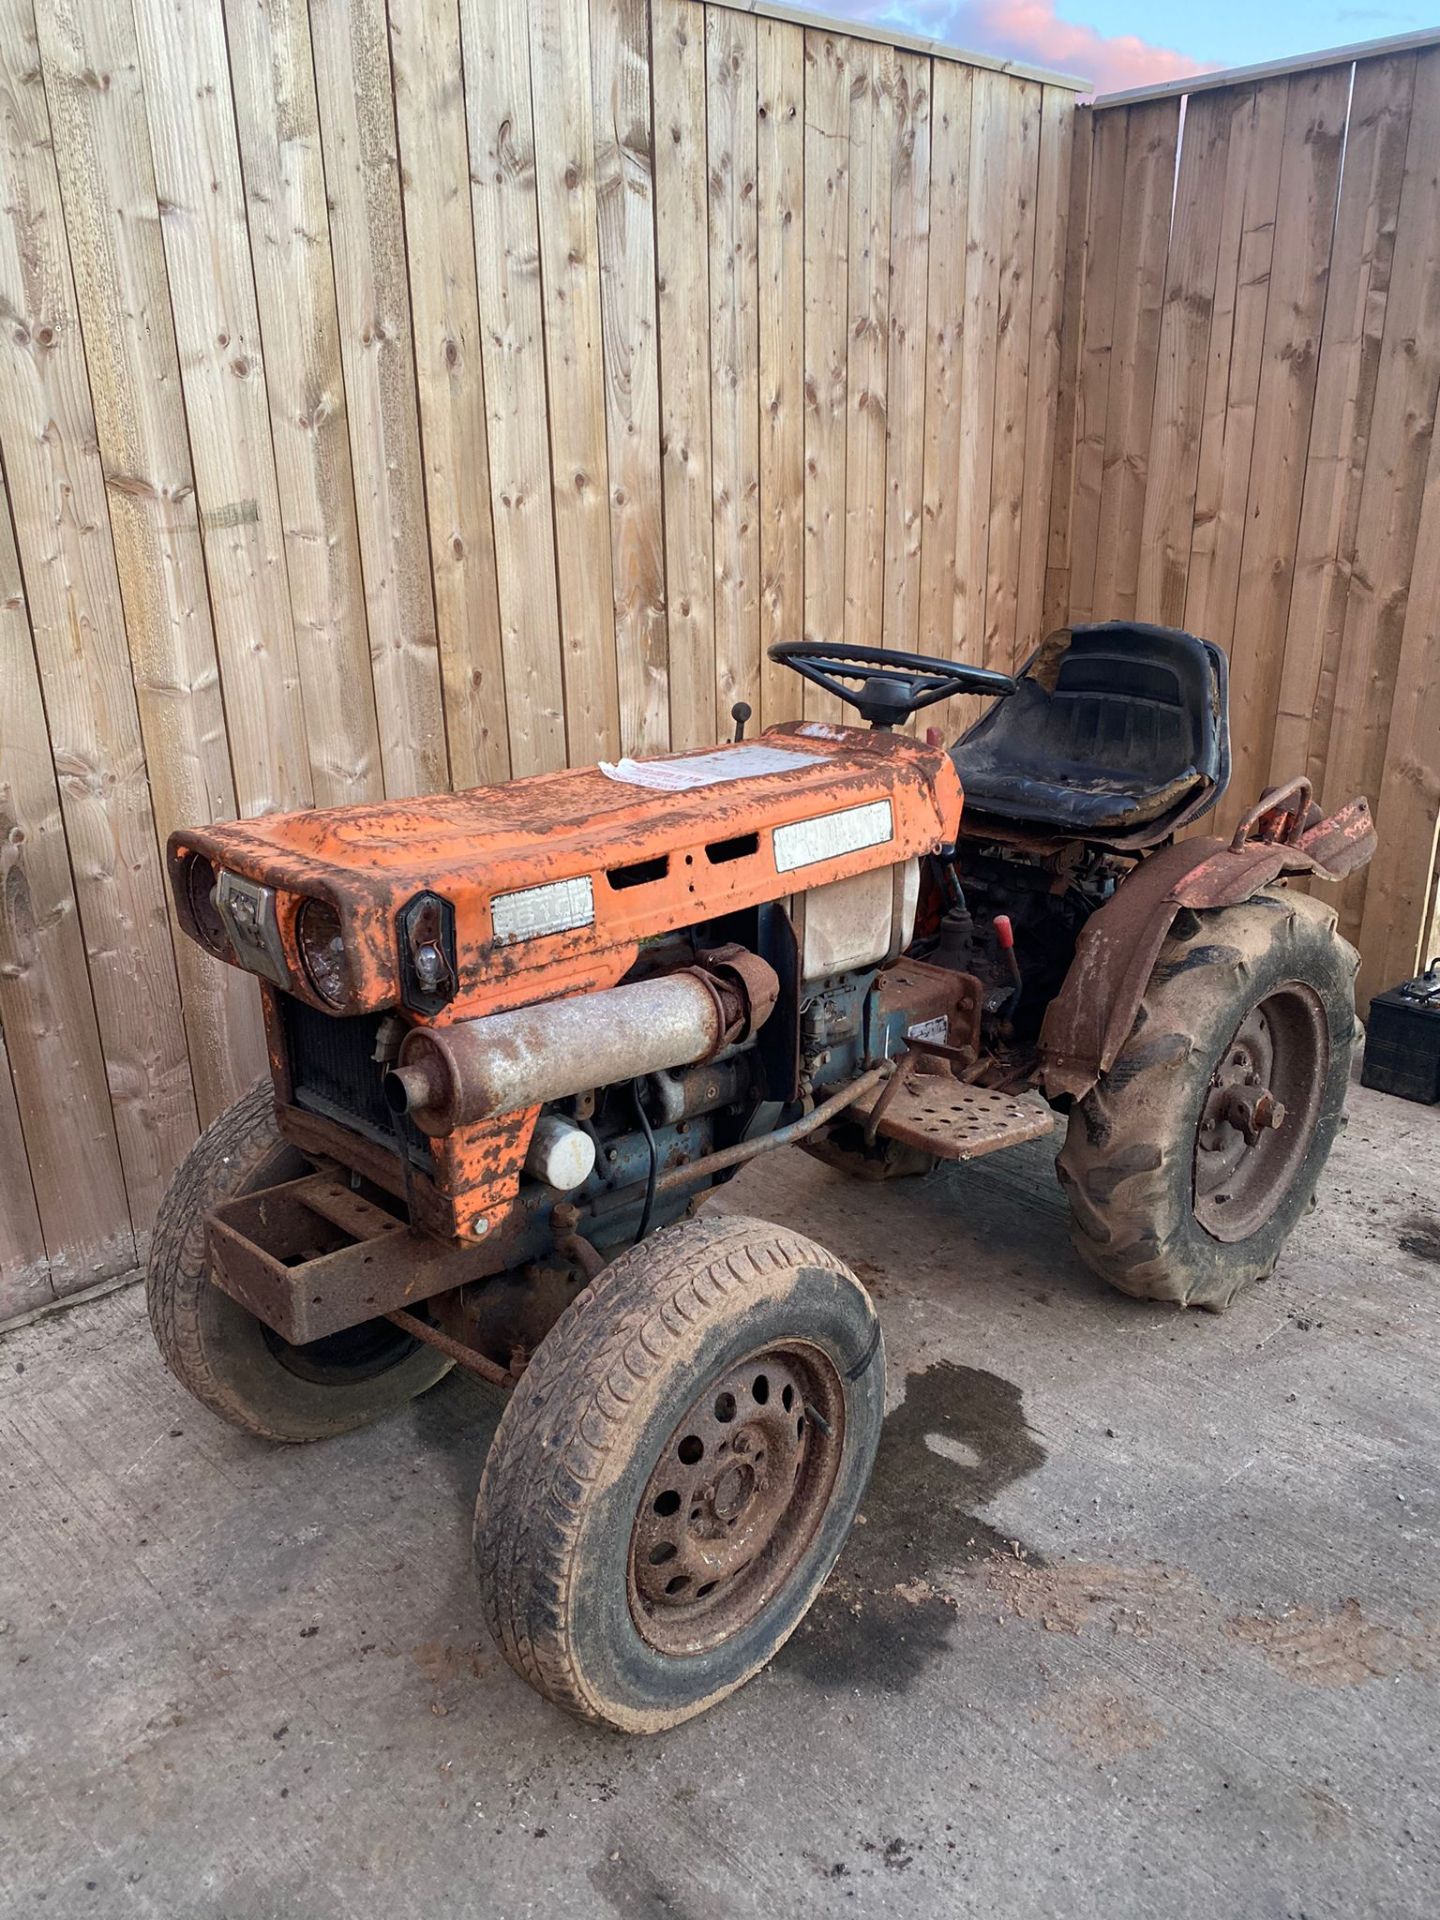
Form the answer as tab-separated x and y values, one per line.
1137	43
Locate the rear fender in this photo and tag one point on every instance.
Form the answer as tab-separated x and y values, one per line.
1090	1018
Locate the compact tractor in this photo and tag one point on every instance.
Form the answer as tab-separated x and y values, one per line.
519	1034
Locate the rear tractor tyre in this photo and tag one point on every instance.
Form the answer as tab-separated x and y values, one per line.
1189	1164
677	1471
233	1363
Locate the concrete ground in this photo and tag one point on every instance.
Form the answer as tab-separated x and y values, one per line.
1144	1618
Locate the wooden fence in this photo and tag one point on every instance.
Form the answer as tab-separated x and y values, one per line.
1246	441
393	398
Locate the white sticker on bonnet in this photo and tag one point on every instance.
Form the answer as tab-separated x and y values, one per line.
744	762
804	842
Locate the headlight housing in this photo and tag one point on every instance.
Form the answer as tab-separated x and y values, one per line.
199	878
321	943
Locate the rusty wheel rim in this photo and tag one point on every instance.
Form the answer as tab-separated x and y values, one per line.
1260	1112
738	1494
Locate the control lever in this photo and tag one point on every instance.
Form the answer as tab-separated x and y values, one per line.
740	714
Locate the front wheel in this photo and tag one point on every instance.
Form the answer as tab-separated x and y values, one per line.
233	1363
677	1471
1189	1164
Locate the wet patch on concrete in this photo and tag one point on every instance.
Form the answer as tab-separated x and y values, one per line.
956	1440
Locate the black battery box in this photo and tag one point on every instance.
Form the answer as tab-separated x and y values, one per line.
1402	1039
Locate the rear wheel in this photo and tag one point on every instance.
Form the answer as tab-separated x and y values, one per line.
1190	1162
677	1471
233	1363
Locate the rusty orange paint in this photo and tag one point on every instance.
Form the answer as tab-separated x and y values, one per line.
368	861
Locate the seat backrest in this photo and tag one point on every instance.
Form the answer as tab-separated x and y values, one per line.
1160	668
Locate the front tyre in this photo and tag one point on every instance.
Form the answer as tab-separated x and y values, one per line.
1190	1162
233	1363
677	1471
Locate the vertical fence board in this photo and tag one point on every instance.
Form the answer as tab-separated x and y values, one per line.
1363	253
46	1011
1237	331
24	1270
113	223
1299	270
440	251
1140	281
507	260
625	208
780	237
683	307
867	327
186	76
1401	431
1055	610
1096	325
367	237
1184	344
1399	884
1052	205
1012	378
985	240
734	355
62	528
944	352
570	294
905	395
827	240
277	120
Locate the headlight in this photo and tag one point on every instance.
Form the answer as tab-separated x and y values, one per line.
322	948
199	879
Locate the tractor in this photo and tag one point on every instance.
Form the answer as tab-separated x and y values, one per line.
518	1034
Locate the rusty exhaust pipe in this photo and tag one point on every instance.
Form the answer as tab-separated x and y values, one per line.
449	1077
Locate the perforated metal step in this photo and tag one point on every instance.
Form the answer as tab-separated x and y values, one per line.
945	1117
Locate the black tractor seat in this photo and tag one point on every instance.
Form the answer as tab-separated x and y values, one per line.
1117	733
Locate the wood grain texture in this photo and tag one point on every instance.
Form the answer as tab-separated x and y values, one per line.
780	242
46	1011
24	1270
944	353
185	73
905	385
734	355
1362	261
1055	609
625	212
1134	343
867	328
1184	343
450	380
1299	274
827	242
1047	305
570	296
1012	377
278	126
1397	459
62	528
102	149
507	258
682	263
367	238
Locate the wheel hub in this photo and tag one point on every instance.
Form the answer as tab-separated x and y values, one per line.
1260	1112
737	1494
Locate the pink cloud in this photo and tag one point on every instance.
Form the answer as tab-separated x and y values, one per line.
1032	31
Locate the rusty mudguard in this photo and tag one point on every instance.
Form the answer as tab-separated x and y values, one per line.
1089	1019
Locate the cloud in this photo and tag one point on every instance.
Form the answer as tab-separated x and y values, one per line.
1032	31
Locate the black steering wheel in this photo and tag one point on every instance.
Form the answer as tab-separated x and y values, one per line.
893	685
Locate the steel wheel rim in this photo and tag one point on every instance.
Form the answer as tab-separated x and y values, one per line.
718	1532
1260	1112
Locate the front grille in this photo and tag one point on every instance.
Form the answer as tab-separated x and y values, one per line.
335	1073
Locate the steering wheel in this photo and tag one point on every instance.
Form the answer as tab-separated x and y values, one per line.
893	685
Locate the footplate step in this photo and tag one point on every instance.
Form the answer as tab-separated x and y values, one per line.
958	1122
